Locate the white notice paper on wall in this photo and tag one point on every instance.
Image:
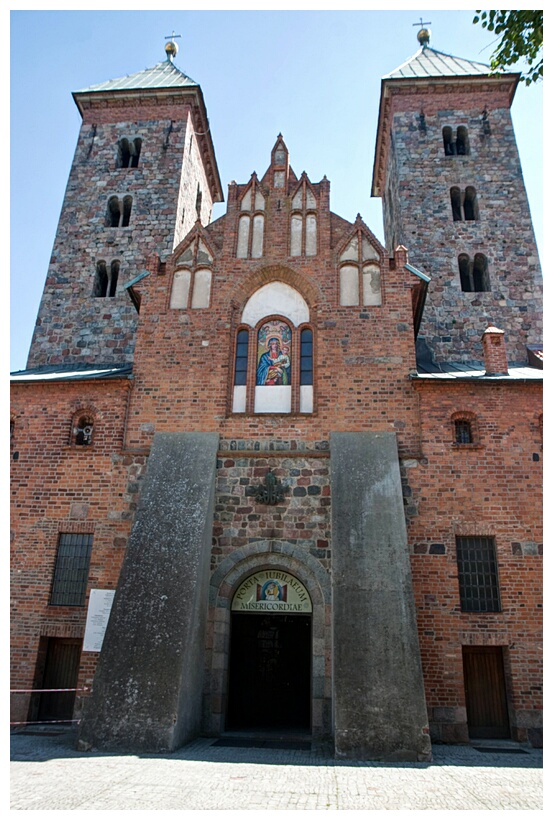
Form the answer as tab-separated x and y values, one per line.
99	607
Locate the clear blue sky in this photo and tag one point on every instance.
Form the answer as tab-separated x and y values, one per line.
312	75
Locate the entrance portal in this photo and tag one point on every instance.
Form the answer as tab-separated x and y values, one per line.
270	672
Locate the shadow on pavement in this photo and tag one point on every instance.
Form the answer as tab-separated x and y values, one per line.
42	744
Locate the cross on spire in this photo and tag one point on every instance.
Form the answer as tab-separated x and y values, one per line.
423	35
421	24
171	48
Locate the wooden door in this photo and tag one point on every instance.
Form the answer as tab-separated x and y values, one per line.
485	695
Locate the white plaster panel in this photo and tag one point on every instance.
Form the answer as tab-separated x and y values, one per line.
274	398
295	235
203	253
279	179
186	256
311	235
368	250
276	297
259	201
310	199
239	398
243	236
246	204
297	201
257	238
181	286
306	398
351	252
349	285
202	288
372	294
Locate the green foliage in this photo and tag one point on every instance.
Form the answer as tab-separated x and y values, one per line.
521	35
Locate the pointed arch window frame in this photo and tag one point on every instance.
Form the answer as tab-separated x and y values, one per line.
252	214
251	370
305	212
193	268
360	264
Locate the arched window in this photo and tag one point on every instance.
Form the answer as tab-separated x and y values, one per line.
464	428
303	222
455	195
119	213
456	143
251	223
474	273
274	355
128	152
105	281
463	204
82	429
192	279
360	272
470	205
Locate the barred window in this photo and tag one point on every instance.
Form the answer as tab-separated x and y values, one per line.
478	579
463	432
71	570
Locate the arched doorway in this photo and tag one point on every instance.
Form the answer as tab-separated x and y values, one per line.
270	672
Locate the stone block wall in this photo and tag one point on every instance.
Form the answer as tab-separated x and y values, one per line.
418	213
73	325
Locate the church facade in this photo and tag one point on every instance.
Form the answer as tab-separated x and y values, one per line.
269	475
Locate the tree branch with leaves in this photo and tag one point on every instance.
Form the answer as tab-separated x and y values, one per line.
521	34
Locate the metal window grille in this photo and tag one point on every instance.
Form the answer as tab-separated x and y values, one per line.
241	361
71	570
478	579
463	432
306	365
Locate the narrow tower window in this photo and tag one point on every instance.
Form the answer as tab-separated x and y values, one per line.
127	205
119	213
474	274
469	204
105	284
463	204
114	212
455	144
128	152
462	142
455	194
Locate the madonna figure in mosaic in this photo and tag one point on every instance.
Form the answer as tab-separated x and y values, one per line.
273	346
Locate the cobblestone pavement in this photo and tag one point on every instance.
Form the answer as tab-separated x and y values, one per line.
48	773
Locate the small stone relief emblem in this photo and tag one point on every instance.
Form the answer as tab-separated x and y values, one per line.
271	492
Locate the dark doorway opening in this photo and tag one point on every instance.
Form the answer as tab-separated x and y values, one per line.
270	673
485	694
57	668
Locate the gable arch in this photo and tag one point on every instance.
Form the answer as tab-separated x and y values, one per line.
275	297
308	290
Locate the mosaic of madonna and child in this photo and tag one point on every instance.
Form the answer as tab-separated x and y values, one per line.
273	354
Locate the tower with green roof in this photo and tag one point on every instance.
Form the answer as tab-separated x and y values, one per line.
143	173
448	170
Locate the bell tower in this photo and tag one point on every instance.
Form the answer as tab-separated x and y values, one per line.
448	171
143	173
